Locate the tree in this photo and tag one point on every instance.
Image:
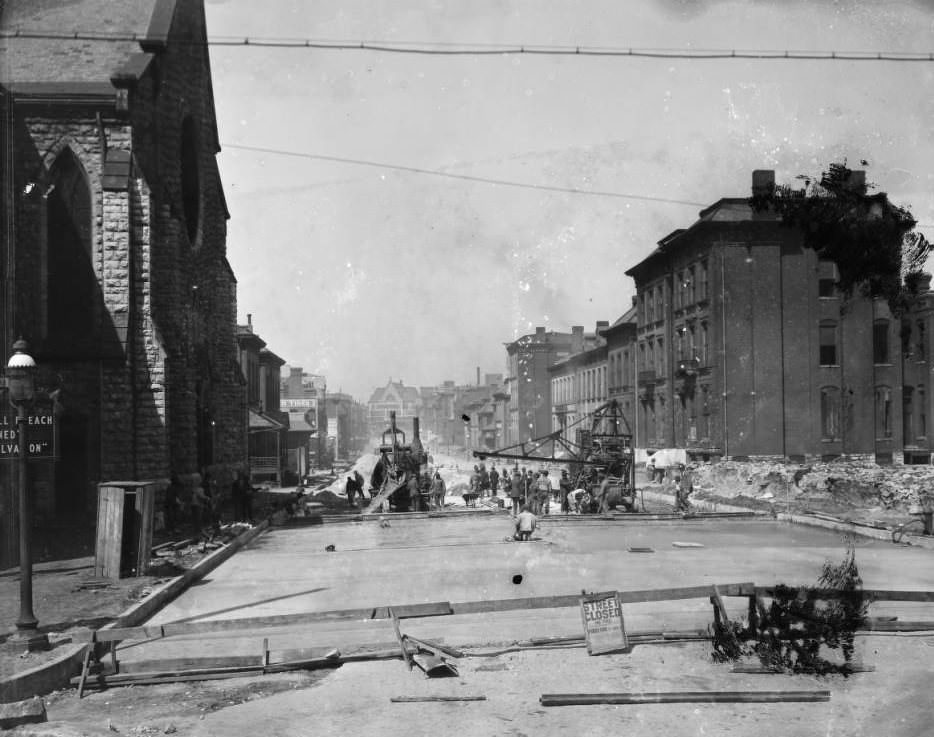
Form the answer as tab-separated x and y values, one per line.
871	240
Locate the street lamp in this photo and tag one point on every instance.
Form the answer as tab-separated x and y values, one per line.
21	385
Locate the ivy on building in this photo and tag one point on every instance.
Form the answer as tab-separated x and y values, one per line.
872	241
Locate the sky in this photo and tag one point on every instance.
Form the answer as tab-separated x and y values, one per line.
366	273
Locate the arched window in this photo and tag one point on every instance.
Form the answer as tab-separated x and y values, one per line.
72	289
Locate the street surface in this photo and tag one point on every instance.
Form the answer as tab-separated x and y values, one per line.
464	558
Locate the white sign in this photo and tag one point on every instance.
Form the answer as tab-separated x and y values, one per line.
603	623
297	403
332	427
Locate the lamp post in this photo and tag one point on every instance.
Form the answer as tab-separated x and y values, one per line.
21	384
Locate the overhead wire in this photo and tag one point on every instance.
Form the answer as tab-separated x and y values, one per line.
467	177
482	49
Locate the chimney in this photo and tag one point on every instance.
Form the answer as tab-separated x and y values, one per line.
295	381
763	182
249	320
577	338
856	182
478	376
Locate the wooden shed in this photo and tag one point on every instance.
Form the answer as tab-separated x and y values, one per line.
124	528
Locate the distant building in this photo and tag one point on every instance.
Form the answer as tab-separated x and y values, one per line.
620	370
528	382
303	399
347	426
579	383
394	397
267	425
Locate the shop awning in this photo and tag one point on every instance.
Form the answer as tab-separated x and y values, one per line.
260	422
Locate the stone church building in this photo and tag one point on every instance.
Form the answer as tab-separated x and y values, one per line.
113	248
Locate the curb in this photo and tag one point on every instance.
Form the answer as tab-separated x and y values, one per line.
804	519
58	673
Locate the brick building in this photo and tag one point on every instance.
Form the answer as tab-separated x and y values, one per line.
394	397
745	348
528	382
579	382
114	245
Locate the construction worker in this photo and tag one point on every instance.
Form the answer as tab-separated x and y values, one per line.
494	480
542	493
516	492
525	524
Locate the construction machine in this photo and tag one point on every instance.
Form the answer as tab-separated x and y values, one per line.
399	464
601	450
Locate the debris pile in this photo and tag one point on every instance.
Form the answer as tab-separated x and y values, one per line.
842	484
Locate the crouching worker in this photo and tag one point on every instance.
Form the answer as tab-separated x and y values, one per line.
525	524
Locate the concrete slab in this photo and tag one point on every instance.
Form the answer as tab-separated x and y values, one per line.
427	560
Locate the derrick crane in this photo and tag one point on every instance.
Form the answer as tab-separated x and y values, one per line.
603	446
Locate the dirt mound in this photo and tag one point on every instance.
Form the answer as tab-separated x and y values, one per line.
842	483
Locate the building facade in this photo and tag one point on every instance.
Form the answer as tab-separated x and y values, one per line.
528	382
394	397
745	348
579	382
267	424
304	401
114	248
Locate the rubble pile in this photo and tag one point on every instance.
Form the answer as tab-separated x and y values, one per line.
856	484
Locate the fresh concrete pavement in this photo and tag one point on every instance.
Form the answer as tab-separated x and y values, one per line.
461	558
290	571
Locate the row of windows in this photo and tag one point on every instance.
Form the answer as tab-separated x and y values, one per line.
693	421
688	288
691	342
589	384
913	344
836	410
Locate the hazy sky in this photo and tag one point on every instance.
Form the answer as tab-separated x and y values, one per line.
363	273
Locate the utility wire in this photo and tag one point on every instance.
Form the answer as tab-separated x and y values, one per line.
467	177
478	49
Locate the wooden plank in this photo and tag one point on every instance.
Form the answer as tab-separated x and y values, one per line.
416	699
435	647
873	594
681	697
173	665
145	509
470	607
401	641
409	611
720	613
84	670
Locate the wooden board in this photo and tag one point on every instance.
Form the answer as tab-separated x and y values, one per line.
469	607
682	697
109	532
409	611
